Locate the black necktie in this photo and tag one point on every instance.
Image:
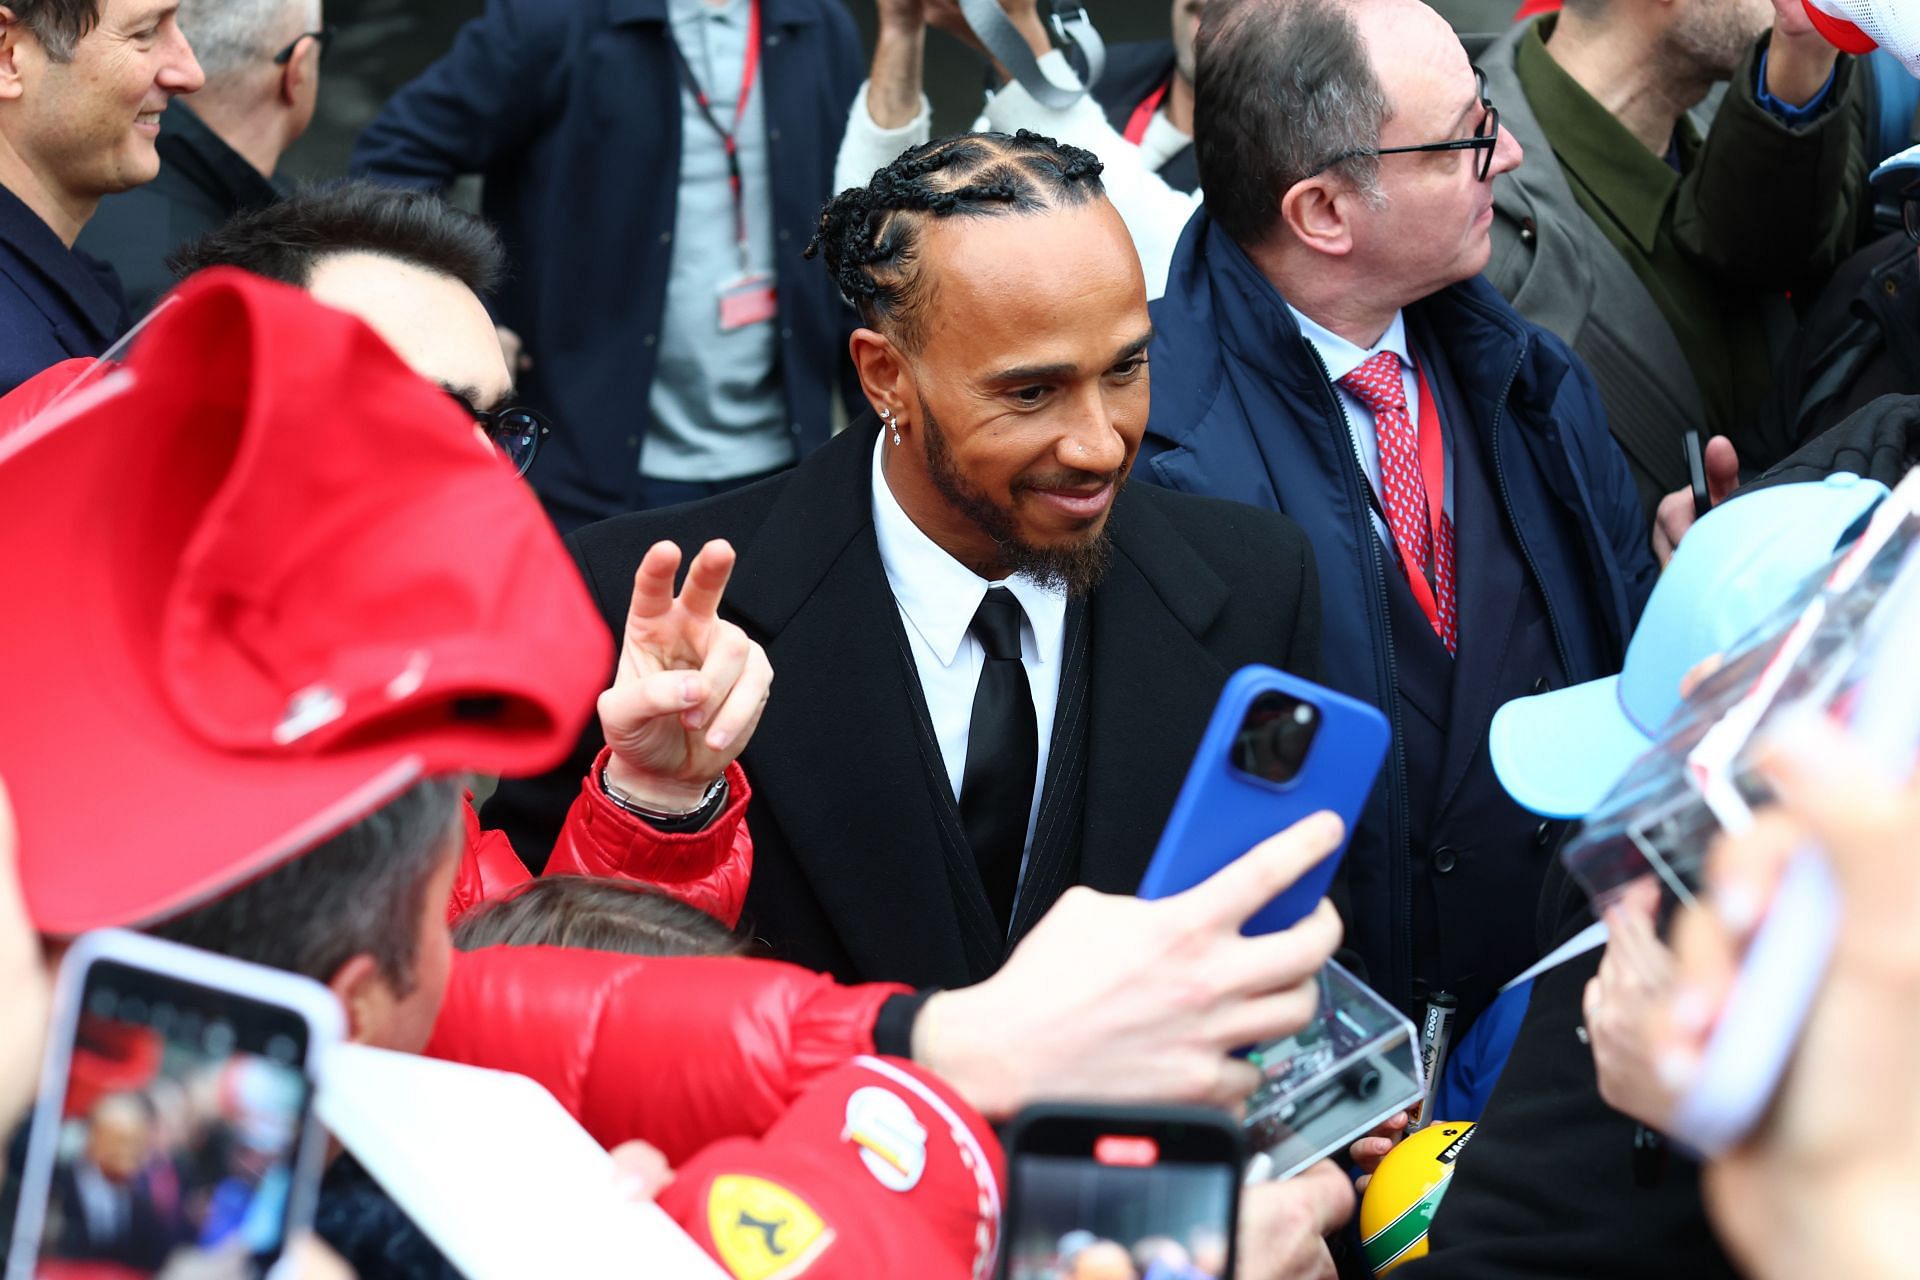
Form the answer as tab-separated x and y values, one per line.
1003	750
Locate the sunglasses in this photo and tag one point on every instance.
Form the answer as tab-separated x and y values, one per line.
1910	215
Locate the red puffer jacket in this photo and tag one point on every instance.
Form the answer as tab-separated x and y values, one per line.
679	1052
707	869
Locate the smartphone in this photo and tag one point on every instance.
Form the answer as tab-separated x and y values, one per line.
1697	473
1152	1192
1277	749
175	1126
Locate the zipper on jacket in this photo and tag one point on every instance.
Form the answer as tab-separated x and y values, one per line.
1519	535
1399	837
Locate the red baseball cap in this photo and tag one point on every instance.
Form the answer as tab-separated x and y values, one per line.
264	579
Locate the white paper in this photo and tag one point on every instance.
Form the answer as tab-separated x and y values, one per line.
495	1171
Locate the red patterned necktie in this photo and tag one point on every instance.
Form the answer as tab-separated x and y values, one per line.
1377	385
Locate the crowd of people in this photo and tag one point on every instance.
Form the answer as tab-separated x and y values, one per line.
1401	348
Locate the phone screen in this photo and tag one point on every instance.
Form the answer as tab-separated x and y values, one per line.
182	1119
1122	1203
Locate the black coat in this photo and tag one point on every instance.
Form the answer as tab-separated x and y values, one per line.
570	112
1550	1186
55	303
854	871
202	183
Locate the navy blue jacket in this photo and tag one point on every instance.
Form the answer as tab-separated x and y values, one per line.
570	112
55	304
1242	410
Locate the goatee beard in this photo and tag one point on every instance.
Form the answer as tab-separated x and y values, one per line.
1075	568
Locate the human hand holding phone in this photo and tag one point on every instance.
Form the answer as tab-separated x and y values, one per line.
173	1133
1112	997
1808	1191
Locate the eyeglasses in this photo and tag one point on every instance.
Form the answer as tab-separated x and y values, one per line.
1485	139
1910	215
323	37
514	431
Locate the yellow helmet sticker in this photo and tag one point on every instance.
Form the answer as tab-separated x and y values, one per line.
763	1231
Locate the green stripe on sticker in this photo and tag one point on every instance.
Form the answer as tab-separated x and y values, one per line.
1405	1231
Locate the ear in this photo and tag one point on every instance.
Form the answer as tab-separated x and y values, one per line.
299	72
368	1000
1315	212
885	374
13	35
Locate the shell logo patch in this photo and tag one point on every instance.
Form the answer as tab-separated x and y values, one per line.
892	1143
761	1230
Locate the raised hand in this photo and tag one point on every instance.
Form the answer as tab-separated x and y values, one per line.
1113	998
690	687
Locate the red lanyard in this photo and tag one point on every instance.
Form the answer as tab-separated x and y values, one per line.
1433	454
729	138
1143	115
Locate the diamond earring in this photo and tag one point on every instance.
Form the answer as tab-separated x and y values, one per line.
891	423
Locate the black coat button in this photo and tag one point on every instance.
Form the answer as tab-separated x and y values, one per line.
1544	835
1444	860
1542	685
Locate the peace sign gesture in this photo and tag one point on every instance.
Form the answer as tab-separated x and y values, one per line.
690	686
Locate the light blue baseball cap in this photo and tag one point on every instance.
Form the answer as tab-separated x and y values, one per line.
1559	753
1897	172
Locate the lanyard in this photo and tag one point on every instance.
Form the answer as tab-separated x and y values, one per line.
729	138
1143	115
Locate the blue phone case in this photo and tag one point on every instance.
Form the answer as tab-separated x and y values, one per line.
1223	812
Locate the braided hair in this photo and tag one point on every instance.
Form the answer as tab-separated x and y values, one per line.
870	235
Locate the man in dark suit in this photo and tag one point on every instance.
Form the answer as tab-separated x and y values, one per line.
1329	351
83	84
992	663
655	167
103	1210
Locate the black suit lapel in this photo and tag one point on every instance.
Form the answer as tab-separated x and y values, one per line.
837	756
1151	687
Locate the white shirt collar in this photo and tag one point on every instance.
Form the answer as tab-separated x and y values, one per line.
939	595
1342	357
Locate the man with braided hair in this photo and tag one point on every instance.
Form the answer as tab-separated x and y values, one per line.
995	657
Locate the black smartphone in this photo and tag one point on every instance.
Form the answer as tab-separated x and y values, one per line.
1147	1192
174	1130
1697	473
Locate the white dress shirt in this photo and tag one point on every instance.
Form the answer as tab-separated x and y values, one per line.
938	597
1341	358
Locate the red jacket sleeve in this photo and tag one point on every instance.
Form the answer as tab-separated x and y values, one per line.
679	1052
878	1169
709	869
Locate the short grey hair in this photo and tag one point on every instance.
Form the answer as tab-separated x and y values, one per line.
1281	88
229	35
364	892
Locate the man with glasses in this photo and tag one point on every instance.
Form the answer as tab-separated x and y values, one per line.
1661	237
217	158
1325	348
